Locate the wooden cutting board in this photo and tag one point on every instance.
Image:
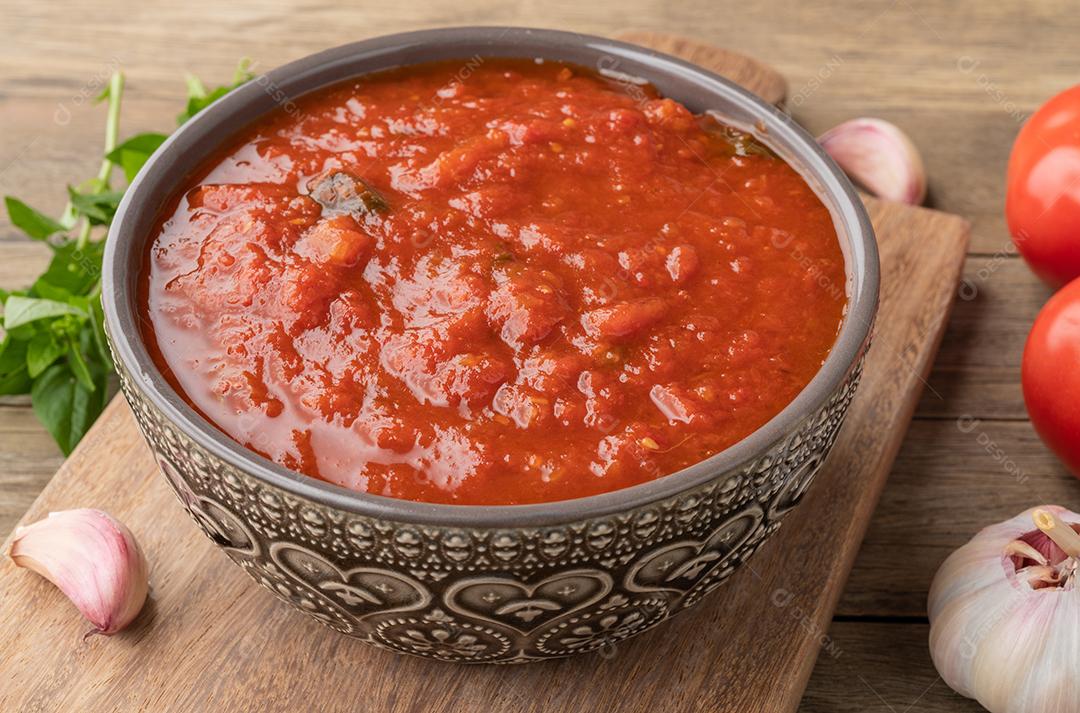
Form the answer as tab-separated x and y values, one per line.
211	639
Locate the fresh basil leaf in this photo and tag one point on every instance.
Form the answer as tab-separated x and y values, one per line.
98	207
131	162
23	333
141	143
65	406
196	104
35	224
74	269
53	397
14	377
50	292
15	382
80	302
97	326
12	354
87	405
23	310
41	352
78	364
243	72
199	98
195	88
133	153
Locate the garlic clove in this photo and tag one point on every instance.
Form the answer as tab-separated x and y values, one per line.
93	559
878	156
1018	547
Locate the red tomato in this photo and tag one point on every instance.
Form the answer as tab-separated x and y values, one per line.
1042	202
1050	375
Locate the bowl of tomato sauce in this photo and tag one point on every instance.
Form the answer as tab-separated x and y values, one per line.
490	344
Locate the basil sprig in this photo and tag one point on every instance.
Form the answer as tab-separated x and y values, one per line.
53	346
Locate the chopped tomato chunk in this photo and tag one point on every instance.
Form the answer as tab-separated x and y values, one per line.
624	318
336	240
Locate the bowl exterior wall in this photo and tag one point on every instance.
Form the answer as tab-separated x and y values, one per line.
492	595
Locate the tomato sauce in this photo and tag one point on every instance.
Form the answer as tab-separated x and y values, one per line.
494	282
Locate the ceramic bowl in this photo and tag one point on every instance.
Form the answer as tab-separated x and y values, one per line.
488	584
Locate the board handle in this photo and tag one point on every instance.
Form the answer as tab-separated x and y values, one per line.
747	72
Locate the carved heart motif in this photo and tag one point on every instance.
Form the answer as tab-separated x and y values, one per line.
527	607
602	627
795	487
361	591
221	525
680	565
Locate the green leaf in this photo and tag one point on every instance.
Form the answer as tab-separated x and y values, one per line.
131	163
53	397
50	292
86	408
243	72
41	352
35	224
16	382
141	143
23	310
80	302
78	364
73	269
98	207
195	88
65	406
197	104
97	326
133	153
19	311
199	98
12	354
14	377
24	332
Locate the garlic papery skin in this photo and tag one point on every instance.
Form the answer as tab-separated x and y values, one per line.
1005	615
878	156
91	558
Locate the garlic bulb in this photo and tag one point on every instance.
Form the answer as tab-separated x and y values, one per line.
1005	615
91	558
878	156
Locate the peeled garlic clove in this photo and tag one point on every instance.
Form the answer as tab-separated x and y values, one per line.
91	558
1005	615
878	156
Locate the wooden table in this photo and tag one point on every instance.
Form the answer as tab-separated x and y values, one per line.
960	77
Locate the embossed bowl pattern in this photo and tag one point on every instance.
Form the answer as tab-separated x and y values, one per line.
503	584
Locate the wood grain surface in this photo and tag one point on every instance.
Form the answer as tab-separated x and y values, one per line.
958	76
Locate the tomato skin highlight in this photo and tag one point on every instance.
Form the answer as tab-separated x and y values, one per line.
1051	377
1042	201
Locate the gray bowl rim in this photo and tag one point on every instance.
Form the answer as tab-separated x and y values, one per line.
223	119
